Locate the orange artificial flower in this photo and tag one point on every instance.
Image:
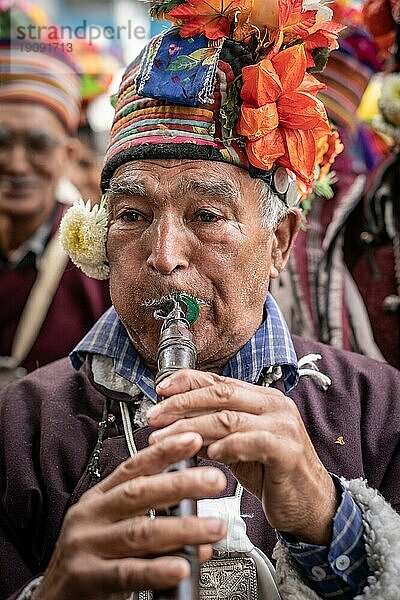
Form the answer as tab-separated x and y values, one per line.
322	35
213	18
280	116
293	23
329	147
311	25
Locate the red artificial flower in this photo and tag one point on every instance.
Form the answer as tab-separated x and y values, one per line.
213	18
280	116
306	25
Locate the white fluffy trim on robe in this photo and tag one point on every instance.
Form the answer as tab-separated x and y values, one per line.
382	542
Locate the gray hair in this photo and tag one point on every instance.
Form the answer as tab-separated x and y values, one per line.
273	209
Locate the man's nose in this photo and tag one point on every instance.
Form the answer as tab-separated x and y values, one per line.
18	160
169	246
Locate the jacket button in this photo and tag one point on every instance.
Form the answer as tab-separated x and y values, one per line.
318	573
342	562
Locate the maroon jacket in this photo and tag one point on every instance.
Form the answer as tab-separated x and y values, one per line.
77	304
49	428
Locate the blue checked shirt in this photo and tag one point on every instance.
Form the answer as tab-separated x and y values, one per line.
337	571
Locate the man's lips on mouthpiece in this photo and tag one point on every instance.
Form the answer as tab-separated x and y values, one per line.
154	302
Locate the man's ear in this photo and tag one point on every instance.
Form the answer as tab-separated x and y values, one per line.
284	237
72	149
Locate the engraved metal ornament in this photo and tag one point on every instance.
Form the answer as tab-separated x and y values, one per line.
227	578
281	180
292	195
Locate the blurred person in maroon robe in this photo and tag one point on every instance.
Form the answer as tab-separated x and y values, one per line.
40	106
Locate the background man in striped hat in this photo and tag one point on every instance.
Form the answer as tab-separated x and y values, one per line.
40	292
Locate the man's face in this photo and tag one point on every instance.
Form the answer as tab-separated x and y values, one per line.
85	173
191	226
34	150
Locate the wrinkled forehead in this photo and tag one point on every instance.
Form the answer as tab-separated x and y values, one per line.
181	177
28	116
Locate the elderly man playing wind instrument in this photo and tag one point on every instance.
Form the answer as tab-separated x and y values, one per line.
216	128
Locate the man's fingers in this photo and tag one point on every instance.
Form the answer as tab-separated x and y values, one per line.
185	380
136	574
137	496
254	446
150	461
220	424
227	394
143	537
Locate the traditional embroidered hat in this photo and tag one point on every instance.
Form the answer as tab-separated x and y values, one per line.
46	79
232	85
44	75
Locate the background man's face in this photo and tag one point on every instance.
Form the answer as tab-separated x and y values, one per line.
191	226
33	155
84	172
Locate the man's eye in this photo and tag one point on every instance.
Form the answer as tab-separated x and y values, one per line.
5	138
207	217
41	142
131	216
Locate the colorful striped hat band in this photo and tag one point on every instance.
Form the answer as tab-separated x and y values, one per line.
45	78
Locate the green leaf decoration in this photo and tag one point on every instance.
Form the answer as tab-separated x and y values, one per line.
305	207
159	8
182	63
230	110
320	57
201	130
209	60
323	187
113	100
202	54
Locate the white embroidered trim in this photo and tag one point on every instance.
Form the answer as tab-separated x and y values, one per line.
27	592
312	371
382	542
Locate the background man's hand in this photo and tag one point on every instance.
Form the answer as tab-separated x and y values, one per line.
108	545
260	434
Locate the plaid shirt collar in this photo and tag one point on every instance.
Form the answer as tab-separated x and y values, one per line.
271	345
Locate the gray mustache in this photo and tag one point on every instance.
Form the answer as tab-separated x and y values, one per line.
154	302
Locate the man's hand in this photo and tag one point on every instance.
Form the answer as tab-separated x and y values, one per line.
108	545
260	434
